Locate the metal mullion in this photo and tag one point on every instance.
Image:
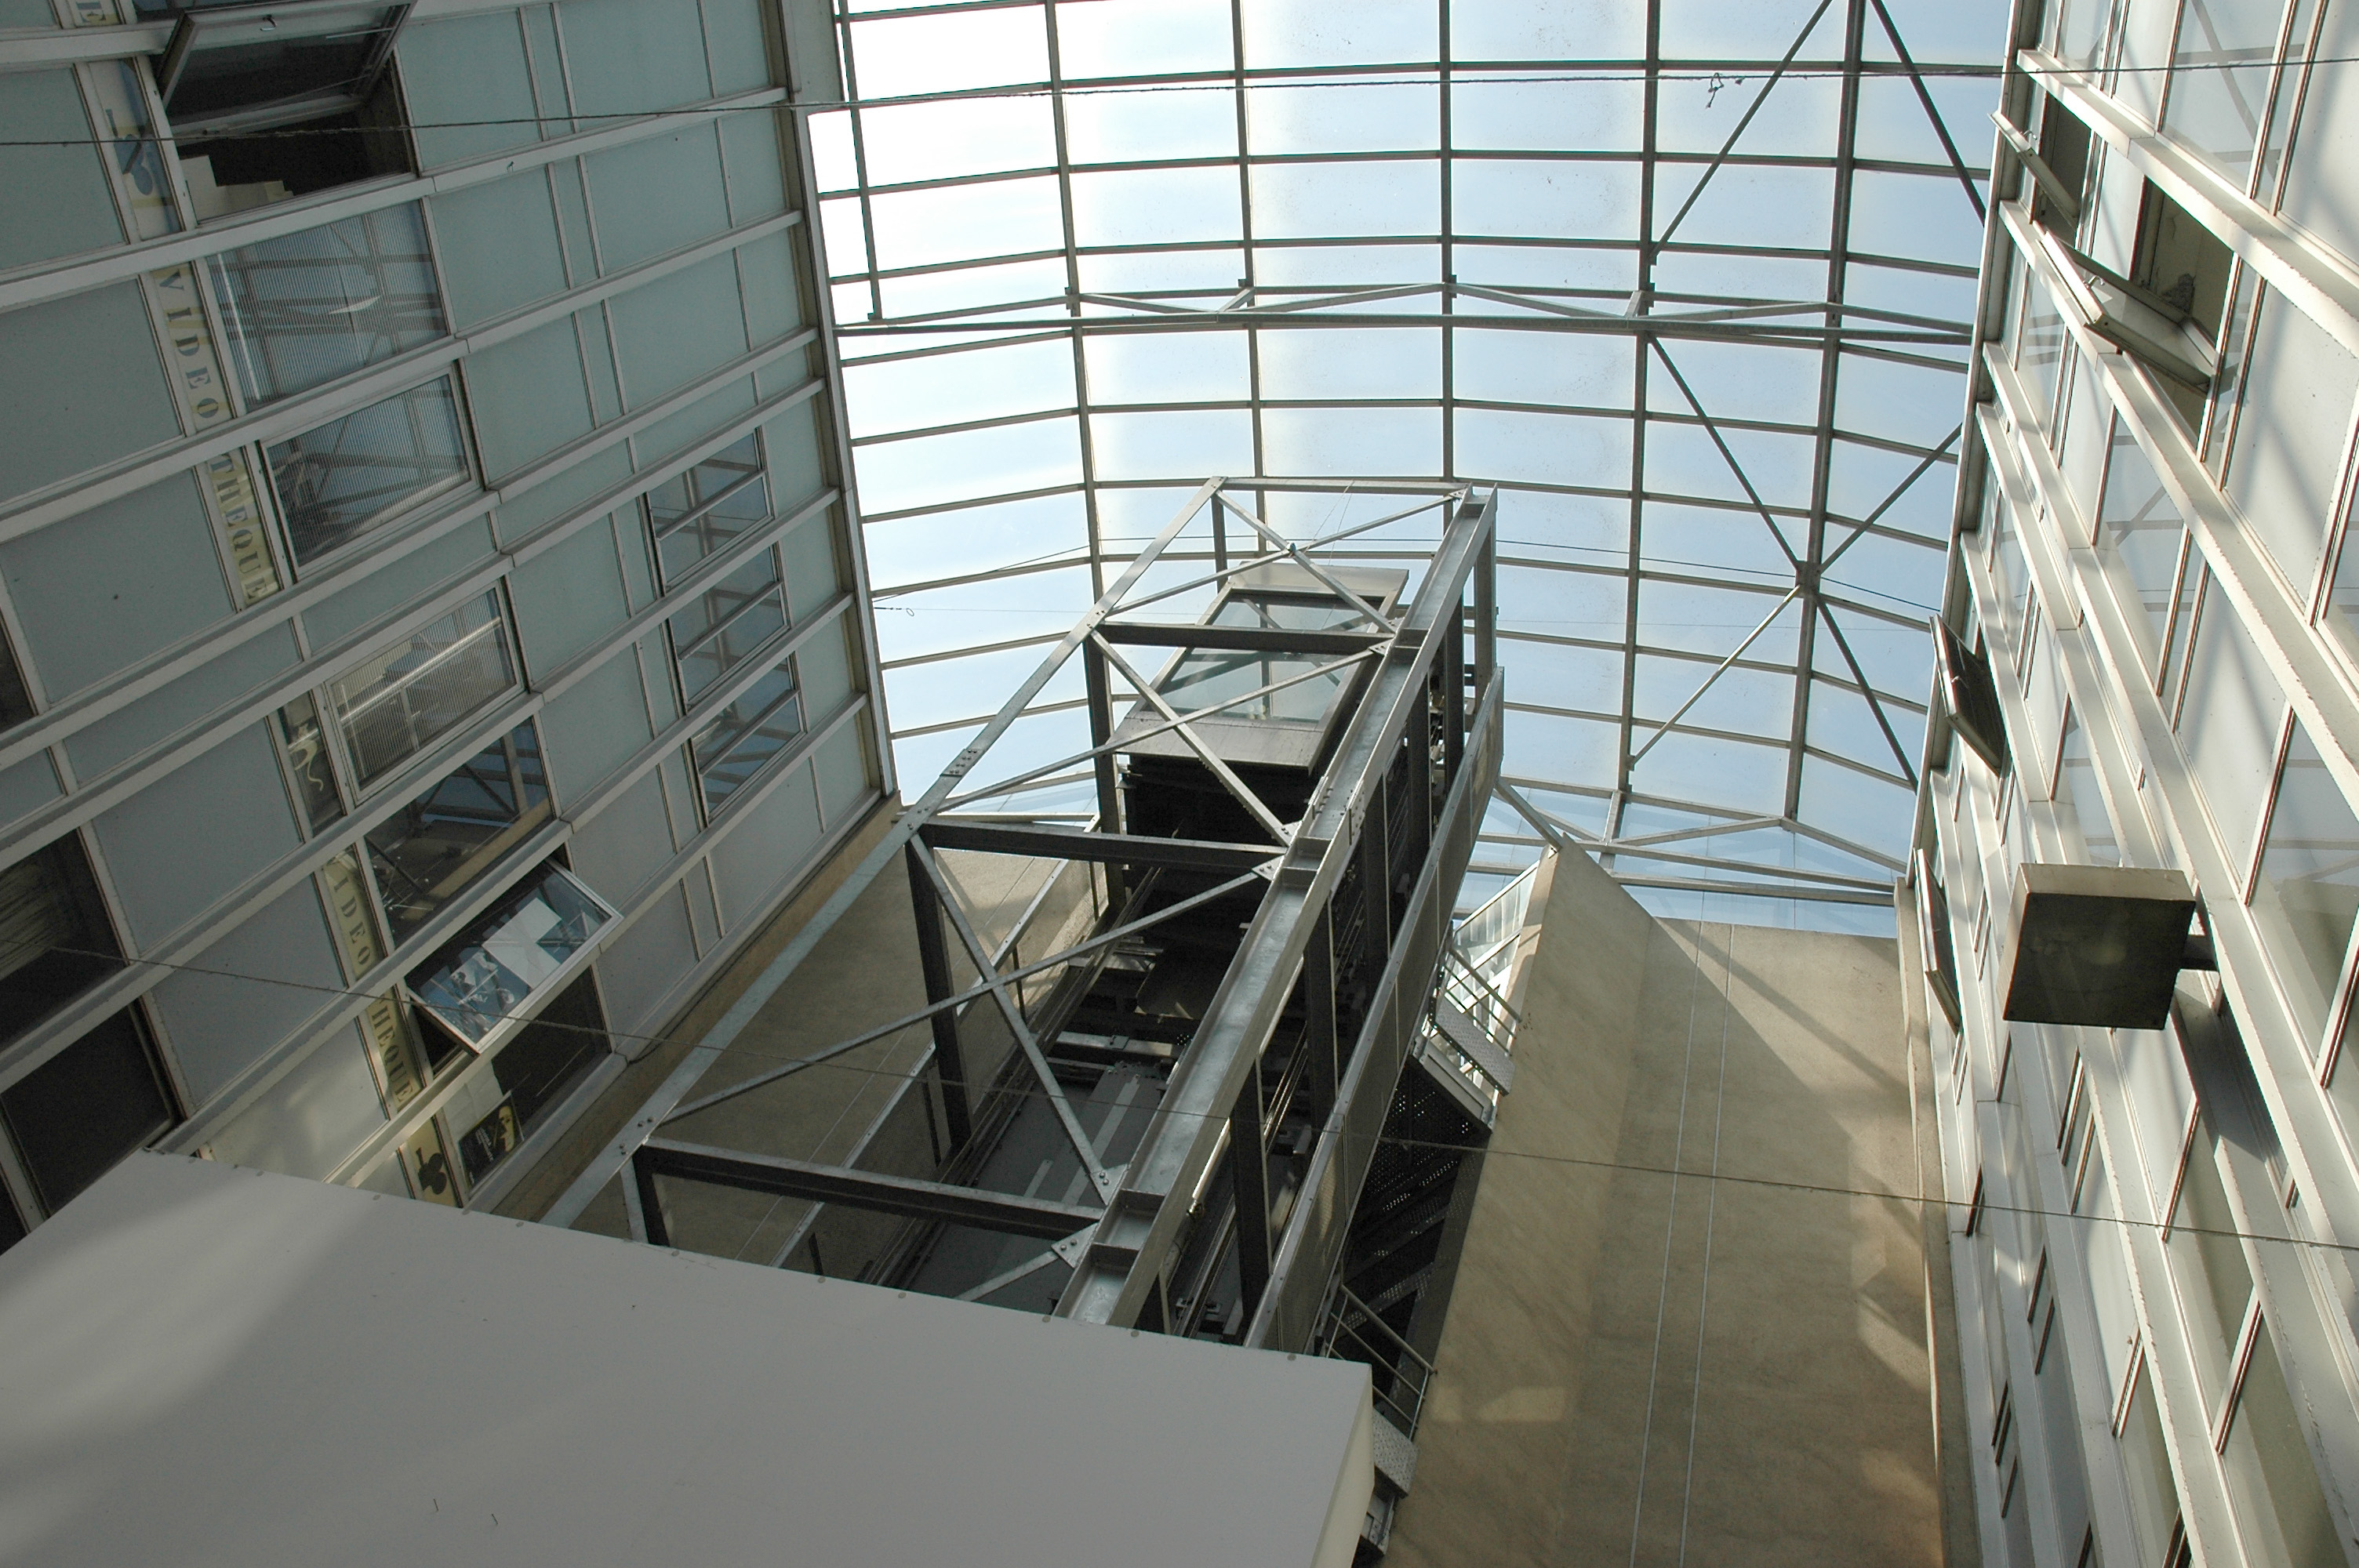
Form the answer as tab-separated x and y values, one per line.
1689	835
1245	237
1805	252
1893	618
977	320
993	422
1807	569
1891	499
914	659
1836	842
1882	888
1702	731
936	351
1449	252
976	721
1649	123
973	993
861	186
1717	671
1081	409
1755	666
1027	568
1869	769
1905	704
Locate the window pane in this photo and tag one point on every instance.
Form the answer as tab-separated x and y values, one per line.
726	623
264	119
2286	462
16	703
748	734
402	698
2040	357
2154	1496
86	1107
549	1054
55	941
2270	1471
703	510
486	976
2081	800
2214	1282
2220	79
2230	725
306	758
2138	536
2307	893
305	309
335	482
2080	32
536	1070
2009	571
438	845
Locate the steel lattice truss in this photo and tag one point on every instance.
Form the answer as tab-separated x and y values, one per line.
1690	282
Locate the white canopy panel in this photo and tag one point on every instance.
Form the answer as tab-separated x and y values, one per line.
216	1366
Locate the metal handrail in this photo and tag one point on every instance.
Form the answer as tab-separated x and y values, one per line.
1387	1351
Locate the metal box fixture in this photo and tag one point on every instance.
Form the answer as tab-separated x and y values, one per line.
2100	946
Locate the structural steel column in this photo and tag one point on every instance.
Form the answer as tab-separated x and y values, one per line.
1249	1171
934	959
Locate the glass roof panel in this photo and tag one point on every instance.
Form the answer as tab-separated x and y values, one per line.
1550	290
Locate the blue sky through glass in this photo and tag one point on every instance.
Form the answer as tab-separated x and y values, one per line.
1084	254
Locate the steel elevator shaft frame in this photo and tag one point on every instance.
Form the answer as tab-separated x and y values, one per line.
1388	820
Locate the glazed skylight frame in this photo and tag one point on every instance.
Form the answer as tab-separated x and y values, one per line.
1658	837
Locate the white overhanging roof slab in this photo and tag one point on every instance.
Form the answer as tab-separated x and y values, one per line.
205	1365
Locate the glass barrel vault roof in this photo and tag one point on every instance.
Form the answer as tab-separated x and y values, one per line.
1689	279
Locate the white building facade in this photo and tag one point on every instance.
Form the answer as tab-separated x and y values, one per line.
432	639
2151	1231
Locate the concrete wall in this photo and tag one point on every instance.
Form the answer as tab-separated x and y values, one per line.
1646	1368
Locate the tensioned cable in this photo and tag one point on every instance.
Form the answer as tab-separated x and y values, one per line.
1417	76
1974	1206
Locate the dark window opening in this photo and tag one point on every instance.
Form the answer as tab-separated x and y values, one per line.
2181	262
2065	148
537	1069
268	105
16	702
77	1113
1970	693
55	939
440	844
